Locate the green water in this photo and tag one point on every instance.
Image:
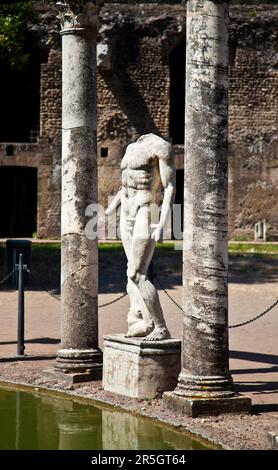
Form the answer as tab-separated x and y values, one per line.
41	421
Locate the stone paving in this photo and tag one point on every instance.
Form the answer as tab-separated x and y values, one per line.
253	348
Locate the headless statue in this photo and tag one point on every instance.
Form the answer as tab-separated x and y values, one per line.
147	163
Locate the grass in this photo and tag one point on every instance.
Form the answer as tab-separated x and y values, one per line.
234	247
244	259
253	248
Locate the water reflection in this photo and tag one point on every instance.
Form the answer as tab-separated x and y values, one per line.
124	431
35	421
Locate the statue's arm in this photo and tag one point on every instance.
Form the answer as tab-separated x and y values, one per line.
115	203
168	179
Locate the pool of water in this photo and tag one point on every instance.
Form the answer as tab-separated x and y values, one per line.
44	421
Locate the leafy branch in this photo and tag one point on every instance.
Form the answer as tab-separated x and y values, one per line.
14	19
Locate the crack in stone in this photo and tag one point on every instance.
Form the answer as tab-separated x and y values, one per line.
77	235
72	274
204	320
197	360
193	63
68	200
192	144
216	269
78	127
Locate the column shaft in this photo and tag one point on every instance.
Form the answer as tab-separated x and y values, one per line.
205	383
79	352
205	335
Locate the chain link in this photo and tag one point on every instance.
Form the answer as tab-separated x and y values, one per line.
57	297
166	292
113	301
7	277
247	322
231	326
256	317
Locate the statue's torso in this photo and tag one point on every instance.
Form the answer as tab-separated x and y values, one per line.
140	178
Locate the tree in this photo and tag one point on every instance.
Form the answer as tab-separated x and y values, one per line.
13	34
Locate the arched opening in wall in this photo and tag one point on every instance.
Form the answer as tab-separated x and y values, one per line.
18	195
177	93
20	100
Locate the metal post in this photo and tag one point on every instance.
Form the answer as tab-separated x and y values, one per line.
14	276
20	318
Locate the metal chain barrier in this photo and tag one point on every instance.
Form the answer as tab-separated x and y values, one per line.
7	277
57	297
113	301
256	317
166	292
247	322
231	326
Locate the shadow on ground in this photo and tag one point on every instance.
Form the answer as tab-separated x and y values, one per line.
257	386
167	265
34	341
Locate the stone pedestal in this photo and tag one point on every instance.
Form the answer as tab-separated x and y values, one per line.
140	369
206	406
76	365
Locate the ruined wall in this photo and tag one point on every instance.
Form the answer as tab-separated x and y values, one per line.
253	119
133	81
49	174
134	47
45	153
134	98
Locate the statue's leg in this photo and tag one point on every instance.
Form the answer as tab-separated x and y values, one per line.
136	325
140	256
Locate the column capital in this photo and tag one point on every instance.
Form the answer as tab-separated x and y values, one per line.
78	14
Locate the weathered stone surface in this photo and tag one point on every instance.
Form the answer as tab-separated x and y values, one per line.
205	332
135	98
146	165
94	373
207	406
140	369
205	382
79	265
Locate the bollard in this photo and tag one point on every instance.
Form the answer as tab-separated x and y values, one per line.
14	276
20	318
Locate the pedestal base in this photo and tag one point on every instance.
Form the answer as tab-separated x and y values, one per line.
76	365
73	377
140	369
207	406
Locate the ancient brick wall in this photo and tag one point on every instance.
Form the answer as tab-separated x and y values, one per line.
253	119
134	98
133	91
49	175
135	43
45	153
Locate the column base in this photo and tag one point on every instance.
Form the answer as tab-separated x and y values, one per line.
76	365
197	406
140	369
73	377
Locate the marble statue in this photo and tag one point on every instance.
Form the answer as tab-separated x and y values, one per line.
146	165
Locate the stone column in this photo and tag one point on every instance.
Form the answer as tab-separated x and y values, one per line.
79	358
205	383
